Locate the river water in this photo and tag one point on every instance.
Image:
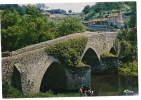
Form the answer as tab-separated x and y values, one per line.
113	85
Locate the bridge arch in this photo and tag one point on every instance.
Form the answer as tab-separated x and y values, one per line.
91	58
54	78
113	51
16	77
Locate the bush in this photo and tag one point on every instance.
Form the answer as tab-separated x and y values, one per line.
125	69
68	52
5	88
14	93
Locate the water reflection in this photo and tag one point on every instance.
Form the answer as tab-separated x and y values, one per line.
113	85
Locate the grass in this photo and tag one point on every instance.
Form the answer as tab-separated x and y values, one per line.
14	93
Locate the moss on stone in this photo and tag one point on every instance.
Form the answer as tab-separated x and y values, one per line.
106	54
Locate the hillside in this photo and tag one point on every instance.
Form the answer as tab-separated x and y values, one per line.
103	9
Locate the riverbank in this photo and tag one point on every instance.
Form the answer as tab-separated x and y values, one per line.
130	69
14	93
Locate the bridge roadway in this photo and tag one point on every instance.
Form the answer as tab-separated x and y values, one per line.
109	36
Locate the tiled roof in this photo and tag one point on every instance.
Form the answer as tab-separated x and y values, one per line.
52	16
96	20
113	15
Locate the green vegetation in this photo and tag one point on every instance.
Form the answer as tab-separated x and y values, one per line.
103	9
106	54
9	91
128	45
70	25
126	69
26	25
68	52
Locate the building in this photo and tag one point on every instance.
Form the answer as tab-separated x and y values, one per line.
53	16
113	20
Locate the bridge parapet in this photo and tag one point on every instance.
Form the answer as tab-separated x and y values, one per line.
96	35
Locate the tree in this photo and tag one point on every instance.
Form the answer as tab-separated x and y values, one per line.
86	9
70	11
128	39
70	25
32	10
41	6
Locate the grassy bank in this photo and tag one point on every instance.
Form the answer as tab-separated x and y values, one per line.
12	92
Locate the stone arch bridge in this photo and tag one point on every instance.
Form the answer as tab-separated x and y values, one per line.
31	69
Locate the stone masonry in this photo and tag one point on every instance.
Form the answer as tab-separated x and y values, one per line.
32	62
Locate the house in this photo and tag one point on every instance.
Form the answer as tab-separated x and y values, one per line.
114	20
52	16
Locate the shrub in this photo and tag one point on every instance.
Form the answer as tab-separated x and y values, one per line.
68	52
5	88
125	69
14	93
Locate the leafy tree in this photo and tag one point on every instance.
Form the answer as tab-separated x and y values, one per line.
70	11
128	39
104	7
32	10
70	25
86	9
33	27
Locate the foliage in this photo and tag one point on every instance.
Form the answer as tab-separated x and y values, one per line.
32	27
70	11
12	7
104	9
128	44
86	9
56	11
106	54
70	25
14	93
68	52
5	88
9	91
128	39
126	69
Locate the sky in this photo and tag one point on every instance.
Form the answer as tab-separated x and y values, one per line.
75	7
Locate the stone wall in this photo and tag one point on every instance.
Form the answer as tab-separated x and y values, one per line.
109	65
78	77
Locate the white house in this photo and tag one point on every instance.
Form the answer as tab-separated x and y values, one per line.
115	20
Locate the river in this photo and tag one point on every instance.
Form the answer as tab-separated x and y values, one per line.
109	85
113	85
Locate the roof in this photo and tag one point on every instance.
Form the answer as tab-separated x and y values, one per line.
113	15
96	20
52	16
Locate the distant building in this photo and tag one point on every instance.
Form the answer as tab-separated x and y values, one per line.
97	21
53	16
114	20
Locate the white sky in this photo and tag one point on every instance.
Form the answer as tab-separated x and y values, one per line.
75	7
